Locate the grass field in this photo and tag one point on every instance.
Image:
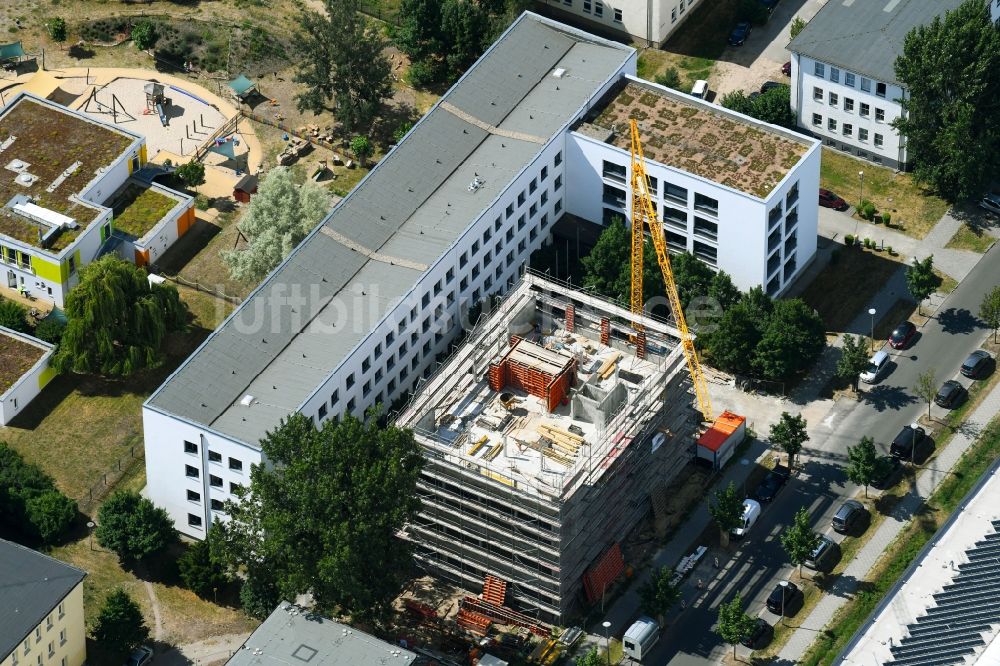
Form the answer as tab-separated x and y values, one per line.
846	286
967	238
914	210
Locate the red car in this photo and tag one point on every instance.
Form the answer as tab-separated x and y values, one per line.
786	69
828	199
901	335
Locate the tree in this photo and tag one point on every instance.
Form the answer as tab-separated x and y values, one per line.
853	359
789	433
989	310
796	26
342	61
726	510
863	463
926	388
774	106
50	330
57	29
738	101
362	149
731	346
949	68
799	540
191	174
277	219
658	594
119	627
604	272
30	504
669	78
692	277
50	514
734	625
323	516
793	337
920	279
722	289
201	567
259	594
401	131
464	25
419	33
117	320
132	527
591	657
144	35
14	316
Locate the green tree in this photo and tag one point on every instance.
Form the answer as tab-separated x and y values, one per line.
419	33
796	26
789	434
775	106
658	594
738	101
50	329
362	149
793	338
56	27
401	131
726	509
144	34
30	504
604	268
950	68
259	594
117	320
799	540
920	279
132	527
50	515
191	174
14	316
591	657
322	517
119	627
691	276
723	290
989	310
201	567
464	25
863	463
669	78
753	11
853	359
926	388
734	625
343	62
278	217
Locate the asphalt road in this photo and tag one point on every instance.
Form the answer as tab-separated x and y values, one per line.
821	484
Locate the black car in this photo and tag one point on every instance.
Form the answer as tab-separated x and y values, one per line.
772	483
822	557
847	516
760	636
908	442
740	33
901	335
791	594
886	469
975	365
770	85
950	394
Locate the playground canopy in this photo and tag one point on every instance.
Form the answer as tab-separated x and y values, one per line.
12	51
241	85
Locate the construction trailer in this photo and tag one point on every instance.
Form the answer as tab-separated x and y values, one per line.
545	436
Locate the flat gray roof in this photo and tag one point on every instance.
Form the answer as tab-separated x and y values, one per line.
281	343
291	635
31	585
865	36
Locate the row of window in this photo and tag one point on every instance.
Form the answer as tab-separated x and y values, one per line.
673	193
679	10
49	624
864	109
847	129
819	69
214	456
596	7
15	257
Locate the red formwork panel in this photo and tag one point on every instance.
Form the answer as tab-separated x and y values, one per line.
600	577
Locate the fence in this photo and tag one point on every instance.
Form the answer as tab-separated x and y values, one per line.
109	478
197	286
305	136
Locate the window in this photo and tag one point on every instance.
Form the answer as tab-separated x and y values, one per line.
599	9
350	380
864	110
654	186
793	195
862	134
234	487
520	199
27	645
682	6
614	196
216	505
774	215
618	16
532	211
475	247
543	174
38	634
558	206
191	472
615	172
558	182
675	218
214	456
675	193
848	104
673	15
586	6
878	139
558	159
193	496
879	89
879	115
48	622
817	120
568	3
521	223
706	204
705	228
214	481
544	198
818	94
190	447
532	186
848	79
62	637
72	265
866	84
334	398
819	69
834	98
831	123
835	75
462	286
52	649
509	236
193	520
848	129
676	241
237	465
449	277
62	610
543	221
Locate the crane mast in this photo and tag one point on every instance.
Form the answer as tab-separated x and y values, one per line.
643	217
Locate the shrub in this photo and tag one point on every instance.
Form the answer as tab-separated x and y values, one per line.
867	210
132	527
144	35
849	240
670	78
886	217
868	243
50	330
888	248
14	316
422	74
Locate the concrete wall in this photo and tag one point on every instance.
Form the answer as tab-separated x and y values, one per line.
24	390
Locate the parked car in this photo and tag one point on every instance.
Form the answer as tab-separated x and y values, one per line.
700	89
760	636
877	364
908	442
847	516
822	557
991	203
790	591
770	85
141	656
974	366
751	512
786	69
886	469
772	483
754	95
828	199
950	394
740	33
902	334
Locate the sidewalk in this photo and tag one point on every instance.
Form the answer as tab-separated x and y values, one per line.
860	567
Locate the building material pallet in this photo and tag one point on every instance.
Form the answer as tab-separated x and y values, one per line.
494	590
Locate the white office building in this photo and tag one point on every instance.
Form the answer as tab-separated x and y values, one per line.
648	22
370	301
844	86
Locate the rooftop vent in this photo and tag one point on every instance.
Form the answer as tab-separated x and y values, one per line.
476	183
559	72
25	179
247	400
17	165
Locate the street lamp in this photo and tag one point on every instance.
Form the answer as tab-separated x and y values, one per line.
861	197
913	444
607	639
90	528
784	593
871	311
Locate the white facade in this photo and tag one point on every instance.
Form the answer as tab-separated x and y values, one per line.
30	384
848	111
650	22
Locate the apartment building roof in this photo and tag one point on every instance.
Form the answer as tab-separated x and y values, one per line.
369	253
18	354
50	154
865	37
31	585
292	635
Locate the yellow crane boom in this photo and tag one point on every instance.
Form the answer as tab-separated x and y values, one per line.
643	217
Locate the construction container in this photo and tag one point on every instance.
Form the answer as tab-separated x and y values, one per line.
717	444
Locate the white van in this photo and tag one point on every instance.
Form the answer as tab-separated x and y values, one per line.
876	366
640	638
700	89
751	512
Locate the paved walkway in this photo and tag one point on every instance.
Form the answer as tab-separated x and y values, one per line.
860	567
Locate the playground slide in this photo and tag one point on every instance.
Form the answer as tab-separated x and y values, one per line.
163	116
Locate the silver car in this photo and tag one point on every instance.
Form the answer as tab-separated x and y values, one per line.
991	203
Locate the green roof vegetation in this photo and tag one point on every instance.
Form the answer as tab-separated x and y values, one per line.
16	358
138	209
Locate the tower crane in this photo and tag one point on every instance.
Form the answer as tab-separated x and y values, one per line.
643	217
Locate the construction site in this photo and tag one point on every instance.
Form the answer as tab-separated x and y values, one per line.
548	434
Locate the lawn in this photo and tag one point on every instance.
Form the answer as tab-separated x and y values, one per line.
195	257
138	209
967	238
847	285
914	210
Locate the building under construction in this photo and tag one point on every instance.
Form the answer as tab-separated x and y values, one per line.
546	434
